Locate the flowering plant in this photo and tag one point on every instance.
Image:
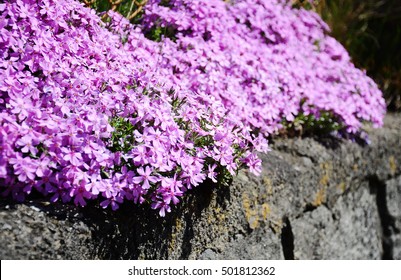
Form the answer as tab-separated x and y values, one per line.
93	109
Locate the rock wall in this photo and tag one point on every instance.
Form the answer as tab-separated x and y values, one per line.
316	199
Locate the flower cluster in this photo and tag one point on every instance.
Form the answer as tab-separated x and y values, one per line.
96	110
266	61
85	115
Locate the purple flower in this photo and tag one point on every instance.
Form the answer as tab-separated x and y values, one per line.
162	206
211	174
80	193
73	157
26	142
112	201
43	167
171	190
140	155
106	188
47	183
24	168
145	178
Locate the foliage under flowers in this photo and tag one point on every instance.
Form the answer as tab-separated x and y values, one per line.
92	109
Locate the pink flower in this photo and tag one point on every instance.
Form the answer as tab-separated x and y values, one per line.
145	178
171	190
26	142
24	168
80	193
162	206
75	158
211	174
113	202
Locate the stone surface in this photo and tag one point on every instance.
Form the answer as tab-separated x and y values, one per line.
393	226
28	231
259	245
317	198
351	230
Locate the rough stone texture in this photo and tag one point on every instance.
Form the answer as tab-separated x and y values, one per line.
351	230
259	245
318	198
31	232
393	226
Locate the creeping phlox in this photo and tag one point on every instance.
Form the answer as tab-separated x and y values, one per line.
266	61
96	110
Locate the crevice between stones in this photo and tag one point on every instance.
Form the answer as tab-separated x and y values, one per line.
309	208
386	220
287	240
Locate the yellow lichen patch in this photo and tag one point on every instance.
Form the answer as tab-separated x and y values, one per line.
256	208
324	181
393	165
178	225
326	167
173	237
268	184
276	226
172	244
251	214
253	222
265	209
220	216
320	197
342	187
209	219
246	204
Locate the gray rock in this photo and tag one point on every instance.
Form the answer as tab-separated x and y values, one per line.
392	226
351	230
208	254
259	245
393	198
28	232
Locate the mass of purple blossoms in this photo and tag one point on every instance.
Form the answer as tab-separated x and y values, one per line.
96	110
